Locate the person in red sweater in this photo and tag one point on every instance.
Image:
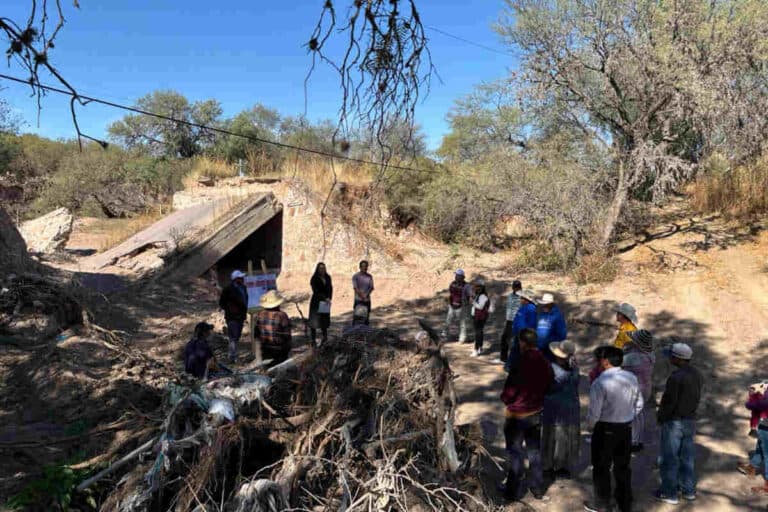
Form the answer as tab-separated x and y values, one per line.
757	392
527	383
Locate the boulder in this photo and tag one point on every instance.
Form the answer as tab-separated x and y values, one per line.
48	233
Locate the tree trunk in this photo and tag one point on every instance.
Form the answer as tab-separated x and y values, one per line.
614	211
13	249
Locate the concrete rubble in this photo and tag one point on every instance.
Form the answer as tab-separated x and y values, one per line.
49	233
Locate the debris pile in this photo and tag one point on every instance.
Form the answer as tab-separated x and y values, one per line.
350	425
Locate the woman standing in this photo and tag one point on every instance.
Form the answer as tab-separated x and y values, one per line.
480	308
560	419
320	304
639	359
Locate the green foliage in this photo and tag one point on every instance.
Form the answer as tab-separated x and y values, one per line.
404	192
159	137
53	490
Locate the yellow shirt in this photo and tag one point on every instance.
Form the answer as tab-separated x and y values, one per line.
623	338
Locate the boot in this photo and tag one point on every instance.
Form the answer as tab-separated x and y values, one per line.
762	490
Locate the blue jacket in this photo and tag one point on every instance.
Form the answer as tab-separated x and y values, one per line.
550	327
525	318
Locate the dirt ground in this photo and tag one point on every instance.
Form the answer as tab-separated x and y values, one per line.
702	281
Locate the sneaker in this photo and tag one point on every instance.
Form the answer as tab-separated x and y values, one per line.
474	353
592	507
689	496
671	500
539	494
746	468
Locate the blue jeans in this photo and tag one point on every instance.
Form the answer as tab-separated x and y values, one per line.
677	469
234	331
759	457
517	430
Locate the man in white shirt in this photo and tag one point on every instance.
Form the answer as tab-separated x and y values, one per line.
614	401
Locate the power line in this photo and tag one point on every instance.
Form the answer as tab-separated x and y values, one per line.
473	43
91	99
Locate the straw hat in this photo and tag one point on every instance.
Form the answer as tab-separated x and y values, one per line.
271	299
564	349
642	339
547	299
528	295
628	310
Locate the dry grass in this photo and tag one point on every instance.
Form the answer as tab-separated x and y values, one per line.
318	173
596	268
740	192
116	231
204	166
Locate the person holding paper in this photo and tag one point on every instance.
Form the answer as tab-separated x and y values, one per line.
320	304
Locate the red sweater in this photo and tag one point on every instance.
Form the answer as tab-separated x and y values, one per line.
527	383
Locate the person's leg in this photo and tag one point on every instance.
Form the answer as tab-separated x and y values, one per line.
449	318
602	456
513	436
234	331
479	326
756	458
671	438
325	334
463	323
313	335
533	450
622	471
687	471
504	343
368	314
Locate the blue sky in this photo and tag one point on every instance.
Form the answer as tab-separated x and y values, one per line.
239	53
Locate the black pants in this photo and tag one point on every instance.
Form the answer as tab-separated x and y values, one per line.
611	446
277	354
506	335
479	334
516	432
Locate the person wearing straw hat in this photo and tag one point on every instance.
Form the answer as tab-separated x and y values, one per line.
273	328
459	303
639	359
561	431
550	324
626	317
525	318
234	302
677	419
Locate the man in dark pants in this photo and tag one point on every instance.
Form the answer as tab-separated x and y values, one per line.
362	284
527	382
513	304
614	401
234	302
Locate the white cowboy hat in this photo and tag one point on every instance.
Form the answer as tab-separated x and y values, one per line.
564	349
528	295
271	299
547	299
628	310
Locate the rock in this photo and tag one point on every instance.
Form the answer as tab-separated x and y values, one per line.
48	233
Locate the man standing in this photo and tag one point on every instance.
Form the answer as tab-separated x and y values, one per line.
614	401
362	282
459	299
525	318
527	383
677	418
234	302
550	326
513	304
273	328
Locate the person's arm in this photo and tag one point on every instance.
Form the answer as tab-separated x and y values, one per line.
223	299
639	402
668	400
596	397
330	287
358	293
758	403
285	329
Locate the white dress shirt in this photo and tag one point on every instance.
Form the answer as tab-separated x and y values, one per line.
614	398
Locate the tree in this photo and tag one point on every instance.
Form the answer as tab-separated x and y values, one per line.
646	79
483	120
160	137
258	122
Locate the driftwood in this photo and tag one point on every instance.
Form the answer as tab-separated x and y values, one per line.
117	465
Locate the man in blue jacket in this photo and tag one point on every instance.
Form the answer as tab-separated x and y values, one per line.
525	318
550	326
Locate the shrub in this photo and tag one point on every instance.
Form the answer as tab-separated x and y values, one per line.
738	192
598	267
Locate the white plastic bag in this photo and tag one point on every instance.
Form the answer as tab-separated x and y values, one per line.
222	407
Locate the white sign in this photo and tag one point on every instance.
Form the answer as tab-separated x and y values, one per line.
258	286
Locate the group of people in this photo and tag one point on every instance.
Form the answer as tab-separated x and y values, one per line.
542	410
272	327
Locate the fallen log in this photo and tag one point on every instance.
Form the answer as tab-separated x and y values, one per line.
117	465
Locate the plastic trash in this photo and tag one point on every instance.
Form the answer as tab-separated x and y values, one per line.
222	407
